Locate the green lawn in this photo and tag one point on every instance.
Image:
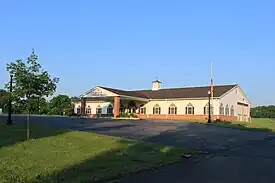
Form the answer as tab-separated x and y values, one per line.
73	156
257	124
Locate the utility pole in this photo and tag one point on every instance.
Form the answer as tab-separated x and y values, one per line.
9	122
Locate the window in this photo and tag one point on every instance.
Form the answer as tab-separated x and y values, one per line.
172	109
88	110
189	109
142	110
156	109
206	109
232	110
98	110
78	109
110	109
221	109
227	110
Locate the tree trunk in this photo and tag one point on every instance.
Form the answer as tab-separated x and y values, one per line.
28	124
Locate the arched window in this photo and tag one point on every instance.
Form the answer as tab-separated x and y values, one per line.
172	109
206	109
227	110
232	111
110	109
98	110
88	110
156	109
221	109
78	109
189	109
142	109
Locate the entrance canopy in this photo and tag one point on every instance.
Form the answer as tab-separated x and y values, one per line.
108	93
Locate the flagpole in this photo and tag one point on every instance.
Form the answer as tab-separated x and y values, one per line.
212	85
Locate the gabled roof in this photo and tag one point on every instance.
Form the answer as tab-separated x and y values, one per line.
124	92
170	93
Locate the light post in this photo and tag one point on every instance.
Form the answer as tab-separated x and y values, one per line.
9	122
209	107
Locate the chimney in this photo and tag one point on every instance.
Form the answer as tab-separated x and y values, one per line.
156	85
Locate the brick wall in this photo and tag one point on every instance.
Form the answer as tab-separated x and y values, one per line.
187	117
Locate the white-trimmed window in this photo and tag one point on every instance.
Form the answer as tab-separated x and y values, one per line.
189	109
110	109
232	111
221	109
227	110
88	110
142	110
172	109
78	109
206	109
156	109
98	110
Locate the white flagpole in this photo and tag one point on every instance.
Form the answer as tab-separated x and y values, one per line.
212	85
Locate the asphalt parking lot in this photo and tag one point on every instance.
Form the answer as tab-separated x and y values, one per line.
230	155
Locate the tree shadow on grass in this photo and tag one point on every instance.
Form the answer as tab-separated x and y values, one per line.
130	157
15	133
240	126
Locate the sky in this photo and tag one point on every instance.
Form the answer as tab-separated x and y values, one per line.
127	44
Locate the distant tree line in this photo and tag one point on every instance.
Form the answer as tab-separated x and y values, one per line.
263	112
58	105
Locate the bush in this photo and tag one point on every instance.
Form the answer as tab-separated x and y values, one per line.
127	115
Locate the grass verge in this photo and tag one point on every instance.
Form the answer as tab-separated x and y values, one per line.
72	156
257	124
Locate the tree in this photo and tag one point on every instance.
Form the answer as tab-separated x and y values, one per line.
31	82
60	105
4	100
263	112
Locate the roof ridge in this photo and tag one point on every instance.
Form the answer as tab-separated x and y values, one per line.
185	87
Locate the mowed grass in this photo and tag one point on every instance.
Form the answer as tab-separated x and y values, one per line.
72	156
257	124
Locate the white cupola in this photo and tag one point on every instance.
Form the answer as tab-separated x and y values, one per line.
156	85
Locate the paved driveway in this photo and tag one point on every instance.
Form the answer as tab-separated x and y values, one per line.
232	155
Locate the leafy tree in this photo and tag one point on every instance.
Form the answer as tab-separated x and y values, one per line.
60	105
31	82
263	112
4	100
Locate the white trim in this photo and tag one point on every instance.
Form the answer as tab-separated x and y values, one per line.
245	95
98	87
237	86
228	91
139	98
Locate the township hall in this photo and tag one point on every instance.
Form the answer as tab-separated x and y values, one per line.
229	102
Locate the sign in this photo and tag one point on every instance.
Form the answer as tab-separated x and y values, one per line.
96	92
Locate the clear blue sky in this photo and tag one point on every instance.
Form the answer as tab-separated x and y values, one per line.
127	44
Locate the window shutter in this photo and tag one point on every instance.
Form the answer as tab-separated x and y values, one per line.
159	110
204	110
144	110
193	110
185	110
169	110
153	110
175	110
